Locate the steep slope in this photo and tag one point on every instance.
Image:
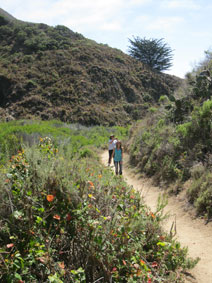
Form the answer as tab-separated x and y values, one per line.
6	17
52	72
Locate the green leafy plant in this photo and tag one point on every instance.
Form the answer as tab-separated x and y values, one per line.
72	220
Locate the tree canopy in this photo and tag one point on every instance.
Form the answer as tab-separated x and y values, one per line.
153	52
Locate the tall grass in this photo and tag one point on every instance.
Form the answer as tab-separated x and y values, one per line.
15	133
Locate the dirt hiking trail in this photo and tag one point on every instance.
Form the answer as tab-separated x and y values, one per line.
191	232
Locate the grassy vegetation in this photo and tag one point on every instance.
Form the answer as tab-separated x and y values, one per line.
73	136
173	143
66	218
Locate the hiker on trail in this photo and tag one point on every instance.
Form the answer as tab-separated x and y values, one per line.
110	148
114	146
118	158
114	142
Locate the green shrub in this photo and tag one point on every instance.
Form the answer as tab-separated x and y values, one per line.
71	220
152	109
183	129
205	111
200	191
86	152
163	98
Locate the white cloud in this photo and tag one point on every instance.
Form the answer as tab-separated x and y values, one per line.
139	2
165	24
201	34
101	14
34	11
143	19
185	4
83	17
80	15
112	26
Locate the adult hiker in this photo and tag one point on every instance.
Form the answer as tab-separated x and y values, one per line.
118	158
114	142
110	148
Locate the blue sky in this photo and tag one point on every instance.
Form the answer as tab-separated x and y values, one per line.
184	24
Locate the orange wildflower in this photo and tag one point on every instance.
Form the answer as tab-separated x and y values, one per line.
50	198
56	216
152	214
91	184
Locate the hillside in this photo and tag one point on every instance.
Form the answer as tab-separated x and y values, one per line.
53	73
173	143
6	17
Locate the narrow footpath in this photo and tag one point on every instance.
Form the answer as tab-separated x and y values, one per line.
191	232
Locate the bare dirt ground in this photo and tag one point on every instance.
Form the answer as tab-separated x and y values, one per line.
191	232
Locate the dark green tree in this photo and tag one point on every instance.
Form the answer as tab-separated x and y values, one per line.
153	52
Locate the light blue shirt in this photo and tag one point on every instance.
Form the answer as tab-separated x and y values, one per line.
118	155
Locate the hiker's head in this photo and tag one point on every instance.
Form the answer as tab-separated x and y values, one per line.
111	137
118	144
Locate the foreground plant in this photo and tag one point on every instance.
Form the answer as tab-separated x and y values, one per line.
73	221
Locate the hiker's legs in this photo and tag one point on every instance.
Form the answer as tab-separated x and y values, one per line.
116	167
120	167
110	156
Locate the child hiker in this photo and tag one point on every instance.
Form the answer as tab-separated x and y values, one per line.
118	158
